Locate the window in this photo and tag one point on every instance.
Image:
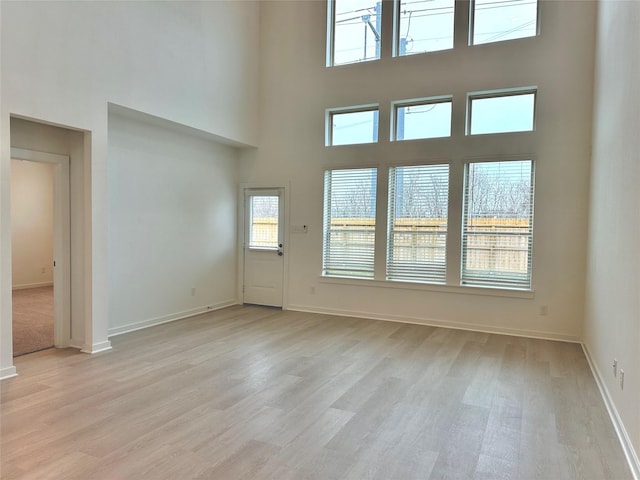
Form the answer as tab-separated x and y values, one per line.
429	118
498	20
497	230
417	230
354	33
512	111
352	126
423	26
349	222
263	228
355	27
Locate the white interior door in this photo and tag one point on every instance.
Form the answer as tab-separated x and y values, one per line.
263	246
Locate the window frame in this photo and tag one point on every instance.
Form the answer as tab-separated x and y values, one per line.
331	37
392	191
417	102
331	112
327	271
472	26
501	93
487	282
397	18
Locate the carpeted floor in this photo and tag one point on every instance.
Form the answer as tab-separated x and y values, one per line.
32	320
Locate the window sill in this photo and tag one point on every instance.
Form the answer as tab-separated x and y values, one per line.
428	287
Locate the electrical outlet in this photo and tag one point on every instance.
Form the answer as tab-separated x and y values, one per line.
615	367
312	290
621	379
43	270
544	310
193	291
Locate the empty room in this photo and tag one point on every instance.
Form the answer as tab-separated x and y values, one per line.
323	239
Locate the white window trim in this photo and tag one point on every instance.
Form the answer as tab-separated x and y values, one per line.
416	102
325	227
514	158
328	119
331	35
397	4
472	24
330	31
505	92
390	220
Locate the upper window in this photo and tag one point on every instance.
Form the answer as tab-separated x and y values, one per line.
351	126
497	229
428	118
417	231
511	111
423	26
498	20
354	31
349	222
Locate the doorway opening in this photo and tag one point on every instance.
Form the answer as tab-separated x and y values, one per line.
40	250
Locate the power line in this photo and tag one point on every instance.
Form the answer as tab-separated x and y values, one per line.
356	11
507	32
349	125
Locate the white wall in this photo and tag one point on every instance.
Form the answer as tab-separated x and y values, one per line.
194	63
32	224
612	317
559	62
172	209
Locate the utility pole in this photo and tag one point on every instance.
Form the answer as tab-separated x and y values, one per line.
400	118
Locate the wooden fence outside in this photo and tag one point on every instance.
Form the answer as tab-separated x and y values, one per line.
495	244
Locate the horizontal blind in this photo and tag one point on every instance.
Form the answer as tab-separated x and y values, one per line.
417	229
497	233
349	222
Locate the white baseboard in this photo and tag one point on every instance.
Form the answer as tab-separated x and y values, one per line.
621	431
24	286
131	327
440	323
97	347
8	372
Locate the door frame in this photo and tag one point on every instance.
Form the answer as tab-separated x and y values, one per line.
61	239
243	187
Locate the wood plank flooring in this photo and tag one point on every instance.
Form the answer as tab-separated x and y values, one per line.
257	393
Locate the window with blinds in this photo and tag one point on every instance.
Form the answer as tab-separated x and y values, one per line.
497	230
417	228
349	222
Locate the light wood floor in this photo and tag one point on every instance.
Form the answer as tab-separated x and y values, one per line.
256	393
